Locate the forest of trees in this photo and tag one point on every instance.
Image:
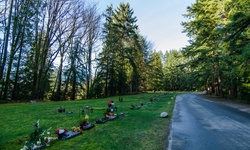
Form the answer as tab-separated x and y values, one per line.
219	51
68	50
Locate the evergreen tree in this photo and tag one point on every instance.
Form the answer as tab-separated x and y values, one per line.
155	81
219	32
122	59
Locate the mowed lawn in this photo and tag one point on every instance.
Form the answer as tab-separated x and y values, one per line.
136	130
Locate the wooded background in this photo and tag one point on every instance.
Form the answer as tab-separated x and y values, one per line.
67	50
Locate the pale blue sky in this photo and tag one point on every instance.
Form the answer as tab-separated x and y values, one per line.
158	20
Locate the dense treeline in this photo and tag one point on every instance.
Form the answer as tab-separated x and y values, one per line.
50	49
218	57
219	51
125	60
46	48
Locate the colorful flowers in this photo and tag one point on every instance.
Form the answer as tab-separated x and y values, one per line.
60	133
76	129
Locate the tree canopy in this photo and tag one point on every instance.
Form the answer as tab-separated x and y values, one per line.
219	48
67	50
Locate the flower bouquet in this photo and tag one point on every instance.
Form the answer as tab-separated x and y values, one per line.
76	129
60	133
84	124
38	139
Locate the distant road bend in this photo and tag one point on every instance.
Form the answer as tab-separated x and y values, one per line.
200	124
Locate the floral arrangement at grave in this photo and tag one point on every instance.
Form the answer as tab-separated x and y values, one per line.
110	110
76	129
60	132
65	135
84	123
38	138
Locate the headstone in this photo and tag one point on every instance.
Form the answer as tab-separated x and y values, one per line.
101	121
88	126
70	134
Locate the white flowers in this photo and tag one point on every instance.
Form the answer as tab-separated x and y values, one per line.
25	147
39	142
44	139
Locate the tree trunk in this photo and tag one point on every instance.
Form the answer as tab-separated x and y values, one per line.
5	46
106	79
73	90
15	88
59	82
89	72
16	34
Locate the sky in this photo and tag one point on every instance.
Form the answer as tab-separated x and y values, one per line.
158	20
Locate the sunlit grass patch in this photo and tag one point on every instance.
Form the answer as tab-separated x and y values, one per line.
136	129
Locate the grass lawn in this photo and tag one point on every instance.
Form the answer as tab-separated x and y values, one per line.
136	130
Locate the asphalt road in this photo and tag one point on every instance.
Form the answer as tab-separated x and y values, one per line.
199	124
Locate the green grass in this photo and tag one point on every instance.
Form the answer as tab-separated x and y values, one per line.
138	129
